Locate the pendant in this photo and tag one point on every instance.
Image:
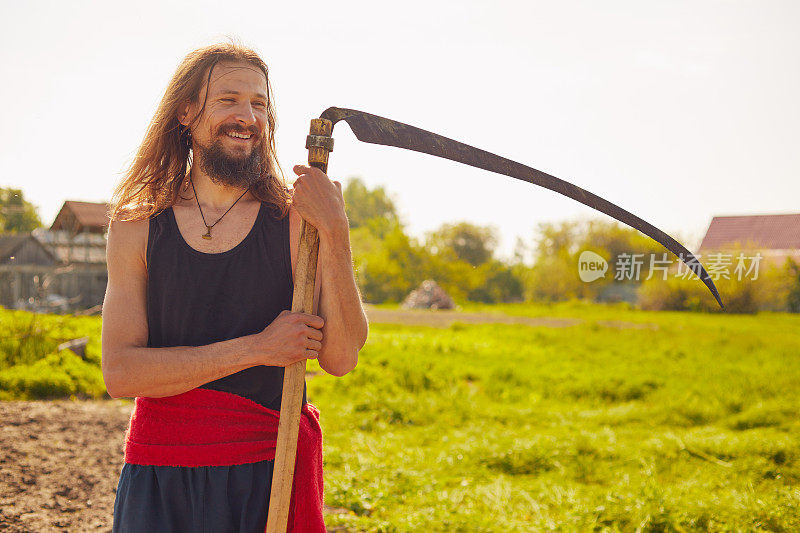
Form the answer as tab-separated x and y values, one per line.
207	235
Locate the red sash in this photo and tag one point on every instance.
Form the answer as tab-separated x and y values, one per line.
205	427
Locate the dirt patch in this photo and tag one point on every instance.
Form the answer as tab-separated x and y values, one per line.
60	463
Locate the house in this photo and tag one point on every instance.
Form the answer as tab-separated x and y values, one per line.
24	248
775	237
24	261
81	217
60	269
86	248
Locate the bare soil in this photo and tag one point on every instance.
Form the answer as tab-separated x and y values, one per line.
60	463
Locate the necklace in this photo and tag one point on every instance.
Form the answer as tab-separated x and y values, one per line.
207	234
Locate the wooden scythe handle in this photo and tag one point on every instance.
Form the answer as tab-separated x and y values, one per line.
294	374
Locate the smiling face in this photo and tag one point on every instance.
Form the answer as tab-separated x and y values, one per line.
228	138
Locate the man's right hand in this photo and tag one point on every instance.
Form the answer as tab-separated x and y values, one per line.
290	338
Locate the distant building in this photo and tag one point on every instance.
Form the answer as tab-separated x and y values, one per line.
73	248
24	248
60	269
776	237
81	217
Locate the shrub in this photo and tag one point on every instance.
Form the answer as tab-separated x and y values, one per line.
768	292
56	375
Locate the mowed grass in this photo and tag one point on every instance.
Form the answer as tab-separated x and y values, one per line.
690	424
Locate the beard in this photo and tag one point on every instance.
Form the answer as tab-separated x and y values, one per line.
224	169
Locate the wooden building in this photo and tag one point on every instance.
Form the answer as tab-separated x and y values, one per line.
60	269
24	262
81	217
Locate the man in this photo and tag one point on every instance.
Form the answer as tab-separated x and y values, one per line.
201	251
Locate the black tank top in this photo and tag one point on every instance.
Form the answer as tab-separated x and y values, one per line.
196	298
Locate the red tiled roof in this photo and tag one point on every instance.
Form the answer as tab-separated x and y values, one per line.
771	232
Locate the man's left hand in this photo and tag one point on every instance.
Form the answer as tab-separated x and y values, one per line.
319	200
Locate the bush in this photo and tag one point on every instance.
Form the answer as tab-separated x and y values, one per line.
392	269
499	283
56	375
769	292
26	337
793	293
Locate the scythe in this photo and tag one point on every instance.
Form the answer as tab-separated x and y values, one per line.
378	130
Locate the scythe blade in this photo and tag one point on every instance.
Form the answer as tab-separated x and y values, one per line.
379	130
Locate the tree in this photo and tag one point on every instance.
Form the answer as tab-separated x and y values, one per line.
557	238
554	275
392	268
371	208
499	283
559	245
470	243
17	215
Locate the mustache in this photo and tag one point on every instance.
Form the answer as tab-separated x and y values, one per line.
233	128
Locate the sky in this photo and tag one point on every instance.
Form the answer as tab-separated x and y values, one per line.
676	111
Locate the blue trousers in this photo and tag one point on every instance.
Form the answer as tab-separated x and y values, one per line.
180	499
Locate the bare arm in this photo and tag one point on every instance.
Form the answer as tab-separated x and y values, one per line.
346	326
130	368
337	299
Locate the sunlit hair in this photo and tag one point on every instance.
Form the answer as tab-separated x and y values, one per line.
153	181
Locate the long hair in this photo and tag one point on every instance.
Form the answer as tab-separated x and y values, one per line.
153	181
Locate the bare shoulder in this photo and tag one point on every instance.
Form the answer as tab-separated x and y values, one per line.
127	242
124	306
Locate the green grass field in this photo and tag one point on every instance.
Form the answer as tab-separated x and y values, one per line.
662	422
691	426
